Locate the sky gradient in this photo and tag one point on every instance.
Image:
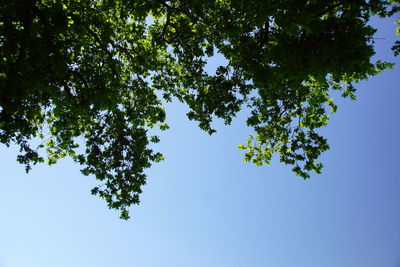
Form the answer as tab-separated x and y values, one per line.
204	206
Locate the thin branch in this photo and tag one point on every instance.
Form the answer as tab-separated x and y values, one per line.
165	26
106	51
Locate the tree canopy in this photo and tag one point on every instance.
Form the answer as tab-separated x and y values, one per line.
88	78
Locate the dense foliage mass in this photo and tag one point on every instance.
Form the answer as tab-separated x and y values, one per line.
96	72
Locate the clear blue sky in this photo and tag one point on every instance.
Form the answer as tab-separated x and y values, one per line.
203	206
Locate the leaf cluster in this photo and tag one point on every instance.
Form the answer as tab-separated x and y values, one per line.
88	77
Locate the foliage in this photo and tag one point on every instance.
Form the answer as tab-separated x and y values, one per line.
96	72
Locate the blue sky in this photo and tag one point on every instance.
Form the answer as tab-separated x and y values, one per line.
203	206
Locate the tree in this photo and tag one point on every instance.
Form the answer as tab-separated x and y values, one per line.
98	71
